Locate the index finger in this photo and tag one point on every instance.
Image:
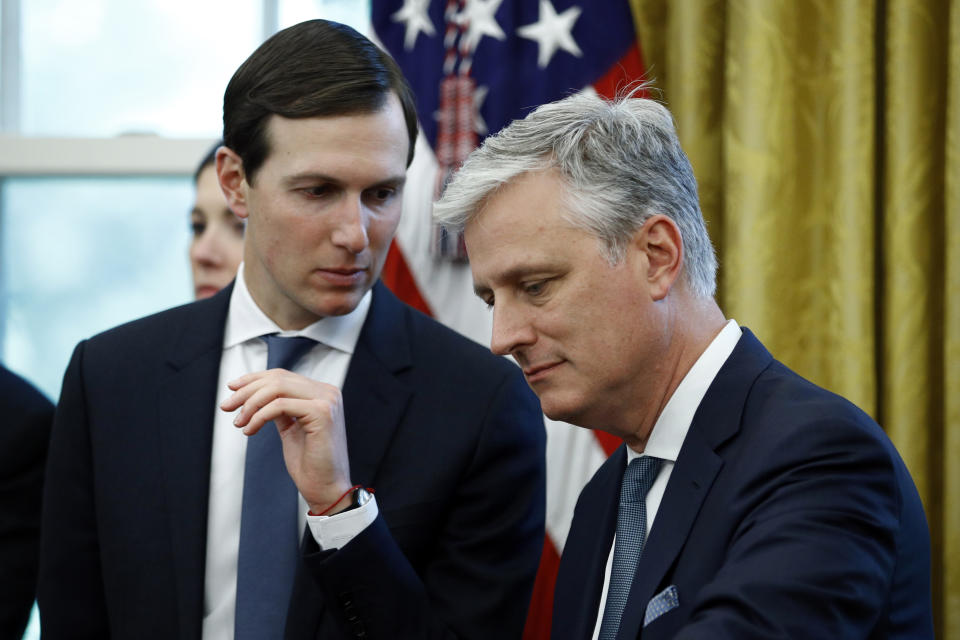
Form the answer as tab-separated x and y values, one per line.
246	379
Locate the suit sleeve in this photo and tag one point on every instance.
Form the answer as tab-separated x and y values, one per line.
816	551
478	580
70	591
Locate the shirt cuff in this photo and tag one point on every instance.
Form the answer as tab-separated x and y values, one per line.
333	532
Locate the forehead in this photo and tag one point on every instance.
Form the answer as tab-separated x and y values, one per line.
375	140
521	229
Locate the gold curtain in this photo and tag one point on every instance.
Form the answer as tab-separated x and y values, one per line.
825	136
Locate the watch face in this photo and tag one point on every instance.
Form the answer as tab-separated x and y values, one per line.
361	497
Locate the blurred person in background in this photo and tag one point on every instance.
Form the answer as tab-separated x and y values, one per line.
217	246
24	432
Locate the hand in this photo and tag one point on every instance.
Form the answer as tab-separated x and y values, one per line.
309	419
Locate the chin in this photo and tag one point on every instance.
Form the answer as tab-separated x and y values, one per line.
568	412
337	305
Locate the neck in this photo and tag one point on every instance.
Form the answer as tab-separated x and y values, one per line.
273	302
690	328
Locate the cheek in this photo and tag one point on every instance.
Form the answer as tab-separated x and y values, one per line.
230	242
273	236
194	250
382	229
235	254
602	317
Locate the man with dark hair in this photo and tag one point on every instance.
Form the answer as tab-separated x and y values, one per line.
207	478
745	502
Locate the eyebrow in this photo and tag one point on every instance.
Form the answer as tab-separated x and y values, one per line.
311	176
512	274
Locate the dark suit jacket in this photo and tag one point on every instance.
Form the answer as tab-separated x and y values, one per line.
788	514
449	436
25	430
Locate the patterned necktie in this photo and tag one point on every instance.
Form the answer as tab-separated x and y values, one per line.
631	536
269	537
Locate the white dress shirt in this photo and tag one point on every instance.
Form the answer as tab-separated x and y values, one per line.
245	352
671	428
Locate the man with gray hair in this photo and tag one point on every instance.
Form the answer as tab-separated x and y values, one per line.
745	502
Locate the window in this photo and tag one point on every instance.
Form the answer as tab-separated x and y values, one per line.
102	68
80	255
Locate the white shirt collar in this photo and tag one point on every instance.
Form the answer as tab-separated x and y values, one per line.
246	321
672	425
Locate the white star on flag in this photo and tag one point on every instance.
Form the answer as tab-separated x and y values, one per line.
552	31
414	13
479	19
479	124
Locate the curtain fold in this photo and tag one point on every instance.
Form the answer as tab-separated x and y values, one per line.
824	137
950	505
912	236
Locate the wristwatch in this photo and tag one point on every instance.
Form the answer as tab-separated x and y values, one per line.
358	498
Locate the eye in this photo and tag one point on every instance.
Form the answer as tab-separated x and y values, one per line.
382	194
198	227
536	288
318	191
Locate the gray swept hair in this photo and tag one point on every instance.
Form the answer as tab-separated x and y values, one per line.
620	161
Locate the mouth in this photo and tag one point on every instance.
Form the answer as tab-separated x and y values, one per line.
205	290
538	372
343	276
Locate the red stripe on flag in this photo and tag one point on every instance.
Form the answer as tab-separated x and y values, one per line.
625	71
608	441
541	603
398	277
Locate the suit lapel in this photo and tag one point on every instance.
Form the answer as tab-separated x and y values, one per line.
696	467
185	399
374	398
583	563
717	420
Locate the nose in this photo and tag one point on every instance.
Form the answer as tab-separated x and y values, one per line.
207	249
512	329
351	230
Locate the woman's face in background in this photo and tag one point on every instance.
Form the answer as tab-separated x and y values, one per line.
217	246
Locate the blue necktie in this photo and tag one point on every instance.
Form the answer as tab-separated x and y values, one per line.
269	537
631	536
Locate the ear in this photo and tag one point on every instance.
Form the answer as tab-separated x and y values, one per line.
233	181
660	241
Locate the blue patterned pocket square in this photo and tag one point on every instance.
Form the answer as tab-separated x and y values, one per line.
665	601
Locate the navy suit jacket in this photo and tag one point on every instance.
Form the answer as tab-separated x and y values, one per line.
788	514
24	432
449	436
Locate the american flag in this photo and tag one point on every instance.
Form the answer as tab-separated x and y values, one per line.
476	65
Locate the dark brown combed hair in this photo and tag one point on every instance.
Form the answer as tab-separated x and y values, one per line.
313	69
